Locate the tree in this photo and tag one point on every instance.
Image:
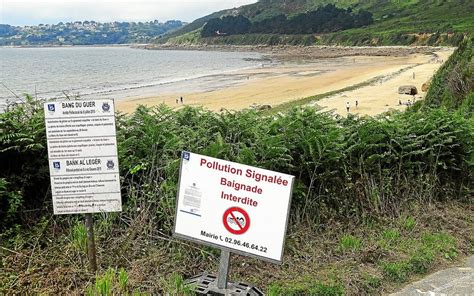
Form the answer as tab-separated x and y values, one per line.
325	19
228	25
7	30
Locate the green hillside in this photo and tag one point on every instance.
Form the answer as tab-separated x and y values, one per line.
431	22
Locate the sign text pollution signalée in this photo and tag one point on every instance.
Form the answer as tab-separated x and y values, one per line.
82	152
233	206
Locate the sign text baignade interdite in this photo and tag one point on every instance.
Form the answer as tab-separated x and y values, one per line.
233	206
82	152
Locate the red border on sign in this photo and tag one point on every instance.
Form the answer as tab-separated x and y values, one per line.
230	211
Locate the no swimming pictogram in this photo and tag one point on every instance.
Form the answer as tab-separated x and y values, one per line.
236	220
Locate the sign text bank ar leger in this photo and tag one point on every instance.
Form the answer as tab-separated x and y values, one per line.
233	206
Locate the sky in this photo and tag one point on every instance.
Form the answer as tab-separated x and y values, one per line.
34	12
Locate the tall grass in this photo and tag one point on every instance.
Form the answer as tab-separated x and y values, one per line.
346	167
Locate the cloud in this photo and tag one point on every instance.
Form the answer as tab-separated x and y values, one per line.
27	12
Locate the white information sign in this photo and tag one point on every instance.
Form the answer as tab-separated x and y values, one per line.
233	206
82	152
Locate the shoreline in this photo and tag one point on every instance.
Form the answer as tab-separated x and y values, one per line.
313	51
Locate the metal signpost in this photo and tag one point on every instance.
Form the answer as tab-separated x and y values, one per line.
83	161
234	207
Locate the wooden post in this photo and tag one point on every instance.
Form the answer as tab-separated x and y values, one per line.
91	251
223	270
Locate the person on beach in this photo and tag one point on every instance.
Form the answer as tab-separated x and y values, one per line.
399	102
357	104
348	106
177	101
181	100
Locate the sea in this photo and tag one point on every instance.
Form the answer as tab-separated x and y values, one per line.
114	72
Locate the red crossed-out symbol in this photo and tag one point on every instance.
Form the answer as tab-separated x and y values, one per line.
236	220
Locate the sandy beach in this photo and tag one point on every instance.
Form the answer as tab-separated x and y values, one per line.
300	73
381	95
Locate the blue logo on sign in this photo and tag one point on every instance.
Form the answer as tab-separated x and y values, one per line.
110	164
186	155
105	107
56	165
51	107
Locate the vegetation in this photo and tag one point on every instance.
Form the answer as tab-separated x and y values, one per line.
452	86
322	20
228	25
432	22
344	166
348	171
86	33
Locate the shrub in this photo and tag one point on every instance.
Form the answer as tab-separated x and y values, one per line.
343	167
25	172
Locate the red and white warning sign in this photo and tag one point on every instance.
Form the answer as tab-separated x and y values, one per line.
233	206
236	220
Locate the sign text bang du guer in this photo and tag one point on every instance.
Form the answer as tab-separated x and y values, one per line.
82	152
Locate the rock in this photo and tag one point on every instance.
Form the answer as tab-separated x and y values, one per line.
264	107
425	86
407	90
